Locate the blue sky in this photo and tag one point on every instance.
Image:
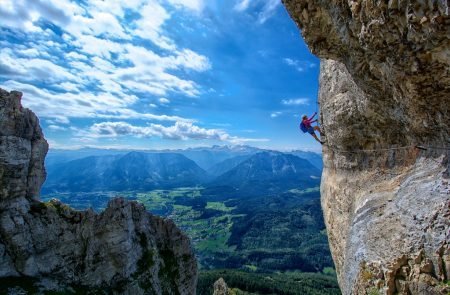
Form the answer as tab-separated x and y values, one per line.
151	74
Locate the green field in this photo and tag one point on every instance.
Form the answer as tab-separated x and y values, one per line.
284	232
274	244
209	234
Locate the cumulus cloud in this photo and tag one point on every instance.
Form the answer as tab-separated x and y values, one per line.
295	101
100	64
117	7
99	49
299	65
149	71
76	55
97	24
178	131
48	104
22	14
33	69
150	27
93	72
195	5
92	45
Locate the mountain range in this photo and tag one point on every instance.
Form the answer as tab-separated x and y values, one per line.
205	157
270	172
244	169
131	171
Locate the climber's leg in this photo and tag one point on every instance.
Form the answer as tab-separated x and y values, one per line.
316	138
313	134
318	129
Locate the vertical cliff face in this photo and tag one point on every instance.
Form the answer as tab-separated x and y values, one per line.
384	89
123	250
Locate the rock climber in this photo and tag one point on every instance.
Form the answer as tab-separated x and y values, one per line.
305	126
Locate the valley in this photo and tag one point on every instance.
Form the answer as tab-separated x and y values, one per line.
260	216
271	233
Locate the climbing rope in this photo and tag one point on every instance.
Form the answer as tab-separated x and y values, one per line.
318	107
420	147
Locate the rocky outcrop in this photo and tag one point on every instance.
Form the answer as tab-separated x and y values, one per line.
123	250
220	287
384	89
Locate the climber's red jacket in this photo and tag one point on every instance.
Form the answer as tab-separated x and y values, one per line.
307	122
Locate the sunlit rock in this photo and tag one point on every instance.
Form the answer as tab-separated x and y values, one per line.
384	90
123	250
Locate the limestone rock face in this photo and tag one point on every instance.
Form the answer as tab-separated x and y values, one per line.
123	250
384	89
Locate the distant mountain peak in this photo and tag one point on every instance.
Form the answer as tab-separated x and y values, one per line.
270	170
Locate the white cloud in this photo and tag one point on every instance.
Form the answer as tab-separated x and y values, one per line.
269	10
103	105
70	87
149	26
30	52
191	60
93	31
72	17
299	65
295	101
116	7
186	59
33	69
144	71
275	114
57	121
178	131
56	128
21	14
76	55
149	71
98	71
242	5
265	8
97	24
195	5
97	46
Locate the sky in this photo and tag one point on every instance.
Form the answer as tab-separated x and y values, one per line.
156	74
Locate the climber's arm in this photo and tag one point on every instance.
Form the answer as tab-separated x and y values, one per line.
312	116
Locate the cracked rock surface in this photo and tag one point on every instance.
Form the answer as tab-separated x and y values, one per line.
384	89
122	250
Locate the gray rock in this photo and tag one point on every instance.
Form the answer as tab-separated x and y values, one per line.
122	250
220	287
384	88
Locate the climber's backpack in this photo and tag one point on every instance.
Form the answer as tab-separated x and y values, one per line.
303	127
